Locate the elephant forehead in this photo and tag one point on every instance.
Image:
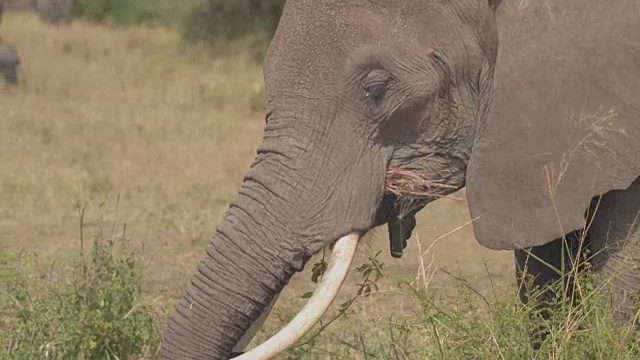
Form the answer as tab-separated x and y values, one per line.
316	40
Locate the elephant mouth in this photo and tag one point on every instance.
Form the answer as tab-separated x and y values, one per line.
410	183
411	191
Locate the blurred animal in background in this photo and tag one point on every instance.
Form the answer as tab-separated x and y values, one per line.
9	58
9	62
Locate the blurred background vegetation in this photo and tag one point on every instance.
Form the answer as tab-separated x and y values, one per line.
209	22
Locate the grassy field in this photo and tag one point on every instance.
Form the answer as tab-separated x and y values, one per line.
148	140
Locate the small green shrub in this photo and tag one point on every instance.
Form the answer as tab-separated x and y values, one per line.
231	19
126	12
54	11
85	310
469	326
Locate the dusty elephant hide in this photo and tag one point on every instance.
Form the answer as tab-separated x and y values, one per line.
567	76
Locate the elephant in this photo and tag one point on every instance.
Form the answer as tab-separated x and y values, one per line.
9	58
54	11
376	108
9	63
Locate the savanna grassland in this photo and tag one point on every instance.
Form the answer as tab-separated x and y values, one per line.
123	147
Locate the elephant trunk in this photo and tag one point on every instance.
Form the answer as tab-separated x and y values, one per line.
234	284
248	262
317	305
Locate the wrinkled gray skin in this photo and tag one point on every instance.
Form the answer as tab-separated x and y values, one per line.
9	62
356	88
58	12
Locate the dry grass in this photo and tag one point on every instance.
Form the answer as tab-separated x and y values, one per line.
106	112
402	182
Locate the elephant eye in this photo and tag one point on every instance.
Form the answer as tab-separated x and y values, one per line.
375	91
375	85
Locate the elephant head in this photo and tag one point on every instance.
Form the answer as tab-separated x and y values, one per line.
373	110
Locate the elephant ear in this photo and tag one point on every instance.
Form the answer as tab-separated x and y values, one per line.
564	124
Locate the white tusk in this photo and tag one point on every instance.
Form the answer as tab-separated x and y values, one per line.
341	257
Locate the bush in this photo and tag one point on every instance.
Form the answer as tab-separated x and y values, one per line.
230	19
125	12
54	11
83	311
121	12
19	5
470	326
214	22
467	324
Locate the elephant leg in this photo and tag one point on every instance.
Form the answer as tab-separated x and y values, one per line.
616	244
542	266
